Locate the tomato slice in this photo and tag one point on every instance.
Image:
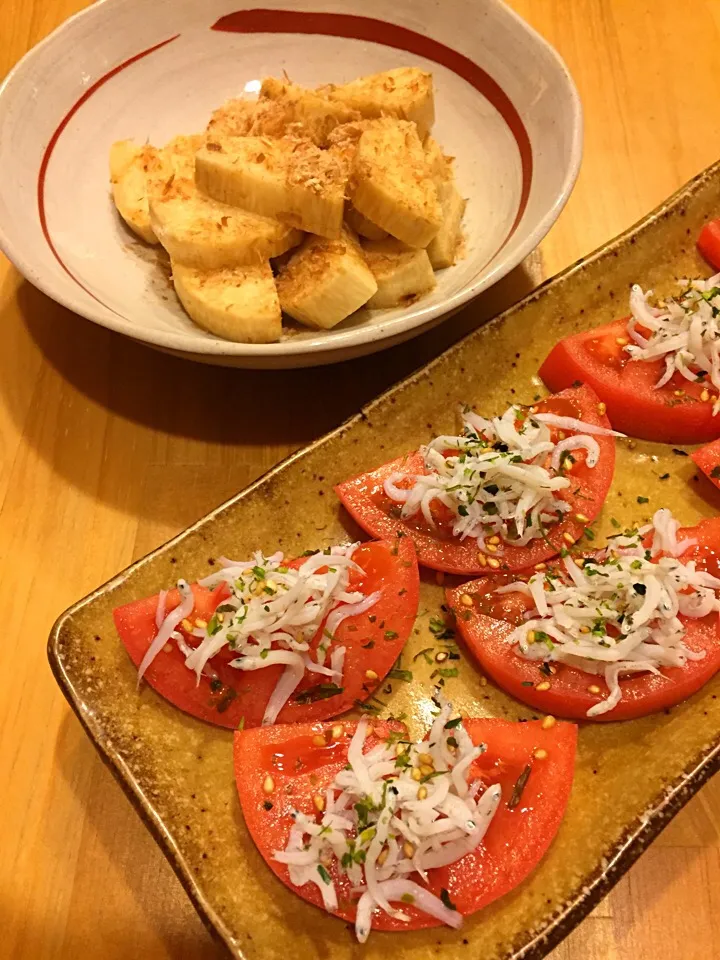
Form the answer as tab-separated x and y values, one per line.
708	459
709	243
516	840
373	642
365	499
676	413
486	627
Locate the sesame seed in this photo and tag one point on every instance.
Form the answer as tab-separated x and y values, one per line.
426	770
408	849
530	636
167	648
568	538
319	740
493	563
593	688
422	793
426	758
416	775
268	784
370	675
621	341
491	547
581	518
543	685
679	393
561	434
548	722
337	731
541	566
482	559
382	856
187	626
601	408
705	395
319	802
201	623
584	629
494	539
540	754
220	617
466	600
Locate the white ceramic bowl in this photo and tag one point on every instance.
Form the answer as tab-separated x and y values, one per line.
149	69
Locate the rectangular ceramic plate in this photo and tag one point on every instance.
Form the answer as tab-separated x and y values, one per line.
178	771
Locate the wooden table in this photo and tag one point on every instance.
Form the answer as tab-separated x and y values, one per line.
108	448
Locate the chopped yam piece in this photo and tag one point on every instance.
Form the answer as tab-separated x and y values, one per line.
439	165
405	93
238	303
325	281
313	116
391	183
201	232
443	248
130	165
290	179
232	119
402	273
360	224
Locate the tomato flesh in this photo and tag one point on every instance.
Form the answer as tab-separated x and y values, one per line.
516	840
708	459
675	413
709	243
365	499
487	626
373	641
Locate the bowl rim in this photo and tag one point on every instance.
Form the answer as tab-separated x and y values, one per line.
395	330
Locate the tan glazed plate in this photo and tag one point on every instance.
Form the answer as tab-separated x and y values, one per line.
631	777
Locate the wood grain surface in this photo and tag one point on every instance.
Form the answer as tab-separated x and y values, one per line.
108	448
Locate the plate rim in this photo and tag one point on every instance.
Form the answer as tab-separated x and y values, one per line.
364	338
667	803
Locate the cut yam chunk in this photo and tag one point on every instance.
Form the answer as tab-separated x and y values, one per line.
325	281
237	303
306	113
443	247
439	165
200	232
391	183
360	224
232	119
292	180
405	93
130	166
402	273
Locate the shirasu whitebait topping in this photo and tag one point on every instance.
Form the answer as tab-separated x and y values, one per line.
499	478
684	332
270	617
619	613
396	810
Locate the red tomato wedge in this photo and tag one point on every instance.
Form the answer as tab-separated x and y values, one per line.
486	627
365	499
516	840
709	243
708	459
627	387
373	641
